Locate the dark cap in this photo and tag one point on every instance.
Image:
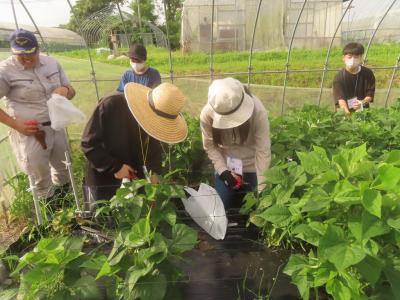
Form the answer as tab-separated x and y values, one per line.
137	51
23	42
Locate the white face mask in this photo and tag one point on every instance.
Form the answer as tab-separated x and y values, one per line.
352	63
138	67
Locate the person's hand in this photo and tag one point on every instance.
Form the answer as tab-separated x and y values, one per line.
61	90
126	171
228	178
26	127
239	181
357	105
153	179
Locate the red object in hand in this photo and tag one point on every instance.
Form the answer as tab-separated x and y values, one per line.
239	181
31	122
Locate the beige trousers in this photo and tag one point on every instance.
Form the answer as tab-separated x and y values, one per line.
45	168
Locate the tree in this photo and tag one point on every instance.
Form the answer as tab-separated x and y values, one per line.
173	17
84	8
146	9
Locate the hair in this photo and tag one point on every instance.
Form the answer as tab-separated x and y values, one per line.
243	129
138	51
353	48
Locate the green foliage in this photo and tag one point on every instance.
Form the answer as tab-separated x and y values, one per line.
343	208
141	263
21	206
187	158
84	8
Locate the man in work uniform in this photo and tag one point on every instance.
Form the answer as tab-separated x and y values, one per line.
27	81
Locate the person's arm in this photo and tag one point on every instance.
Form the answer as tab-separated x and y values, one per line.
66	88
213	152
343	104
122	83
338	94
92	144
157	79
26	127
262	146
370	89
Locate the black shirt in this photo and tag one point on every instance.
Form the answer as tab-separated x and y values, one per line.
110	139
347	85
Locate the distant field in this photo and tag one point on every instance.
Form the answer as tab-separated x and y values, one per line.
199	63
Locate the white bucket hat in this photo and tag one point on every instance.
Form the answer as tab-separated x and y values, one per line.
158	111
232	106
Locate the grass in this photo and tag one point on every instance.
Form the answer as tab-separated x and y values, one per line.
199	63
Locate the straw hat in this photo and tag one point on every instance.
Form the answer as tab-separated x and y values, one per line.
232	106
158	111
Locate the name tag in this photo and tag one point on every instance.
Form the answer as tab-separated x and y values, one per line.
235	165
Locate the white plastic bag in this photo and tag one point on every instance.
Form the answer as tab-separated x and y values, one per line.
207	210
62	112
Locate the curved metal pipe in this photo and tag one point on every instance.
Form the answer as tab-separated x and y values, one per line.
128	38
289	54
212	42
375	30
250	68
34	24
14	14
171	71
395	68
329	53
90	55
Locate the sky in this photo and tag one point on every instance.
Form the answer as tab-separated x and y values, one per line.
48	13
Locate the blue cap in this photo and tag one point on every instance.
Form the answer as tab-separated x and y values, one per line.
23	42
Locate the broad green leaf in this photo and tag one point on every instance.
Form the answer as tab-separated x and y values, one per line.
388	178
104	271
324	177
338	290
86	288
249	202
139	234
169	215
370	268
275	175
296	263
281	195
346	193
308	233
345	255
314	162
393	157
393	276
151	287
277	214
183	239
324	273
366	227
394	223
372	202
334	247
156	253
316	200
303	283
134	274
